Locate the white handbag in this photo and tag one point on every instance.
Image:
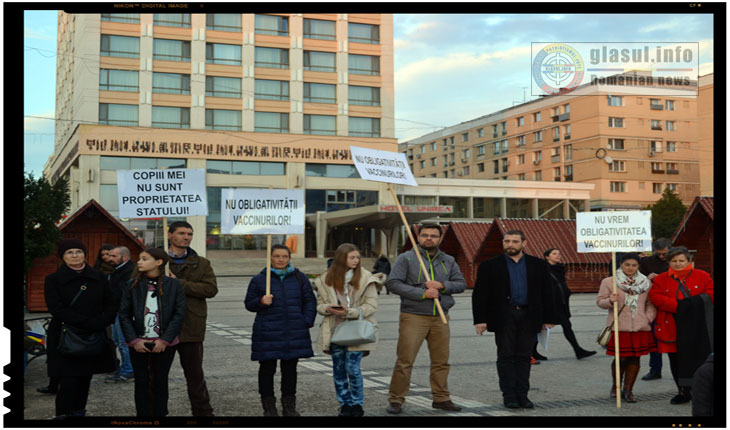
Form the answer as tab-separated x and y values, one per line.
354	332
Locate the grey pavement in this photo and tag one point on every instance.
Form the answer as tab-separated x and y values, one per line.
560	387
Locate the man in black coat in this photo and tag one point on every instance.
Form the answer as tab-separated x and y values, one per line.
512	298
123	268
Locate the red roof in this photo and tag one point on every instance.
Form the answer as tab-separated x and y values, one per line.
542	234
707	204
470	236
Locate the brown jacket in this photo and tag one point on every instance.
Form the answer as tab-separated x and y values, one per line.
645	310
198	280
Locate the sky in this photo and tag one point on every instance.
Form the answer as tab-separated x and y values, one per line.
449	68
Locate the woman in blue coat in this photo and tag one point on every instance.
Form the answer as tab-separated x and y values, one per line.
281	328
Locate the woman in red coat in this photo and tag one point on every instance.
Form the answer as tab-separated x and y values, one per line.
666	294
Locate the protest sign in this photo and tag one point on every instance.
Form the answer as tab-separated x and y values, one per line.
262	211
618	231
151	193
382	166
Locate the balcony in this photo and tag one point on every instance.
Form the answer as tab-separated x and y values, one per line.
555	158
566	137
568	178
451	163
672	172
657	107
556	139
564	117
656	127
657	170
504	132
556	118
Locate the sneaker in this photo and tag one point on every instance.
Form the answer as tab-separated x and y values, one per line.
116	378
534	361
345	411
680	398
394	408
357	411
650	377
46	390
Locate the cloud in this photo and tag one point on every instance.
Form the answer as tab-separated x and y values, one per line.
706	69
29	33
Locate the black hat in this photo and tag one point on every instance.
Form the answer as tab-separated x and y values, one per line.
67	244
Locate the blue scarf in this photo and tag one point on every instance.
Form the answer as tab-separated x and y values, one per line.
283	273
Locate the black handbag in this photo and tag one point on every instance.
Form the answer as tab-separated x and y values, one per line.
76	342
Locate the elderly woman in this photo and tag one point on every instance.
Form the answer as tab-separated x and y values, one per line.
636	313
80	296
679	283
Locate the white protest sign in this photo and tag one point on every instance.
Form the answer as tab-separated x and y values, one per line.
382	166
619	231
152	193
262	211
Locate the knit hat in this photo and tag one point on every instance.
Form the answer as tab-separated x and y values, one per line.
67	244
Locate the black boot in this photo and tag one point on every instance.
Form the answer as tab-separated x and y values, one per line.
537	355
289	406
582	353
269	404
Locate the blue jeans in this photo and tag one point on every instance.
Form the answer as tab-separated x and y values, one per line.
655	358
126	367
347	375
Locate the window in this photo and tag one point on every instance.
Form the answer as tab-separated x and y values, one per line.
670	126
656	124
504	128
505	146
320	93
567	132
615	122
363	96
655	104
568	151
271	122
119	80
260	168
672	168
521	141
119	46
657	167
495	165
451	140
320	124
521	159
566	108
569	173
116	114
265	89
363	64
671	146
669	104
127	163
480	167
505	165
494	130
131	18
467	153
170	117
538	136
538	156
466	170
332	171
655	146
616	144
556	133
433	162
363	33
537	116
170	83
520	121
618	187
617	166
366	127
422	149
223	22
423	164
556	111
319	29
219	86
465	137
656	188
433	146
480	132
481	149
319	61
556	174
220	119
672	187
272	25
615	101
219	53
497	147
538	175
172	19
171	50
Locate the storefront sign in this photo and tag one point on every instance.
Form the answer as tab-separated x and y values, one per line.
382	166
262	211
618	231
152	193
417	209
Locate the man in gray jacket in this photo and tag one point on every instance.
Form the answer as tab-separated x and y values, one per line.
419	318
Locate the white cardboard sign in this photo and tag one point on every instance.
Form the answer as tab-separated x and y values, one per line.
154	193
262	211
618	231
382	166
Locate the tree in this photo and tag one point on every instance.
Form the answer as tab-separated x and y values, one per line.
43	205
666	214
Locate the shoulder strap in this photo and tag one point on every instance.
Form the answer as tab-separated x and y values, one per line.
683	287
76	297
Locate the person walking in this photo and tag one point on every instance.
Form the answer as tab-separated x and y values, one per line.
151	314
119	257
198	279
513	299
419	319
650	267
281	328
636	312
561	295
80	296
347	291
672	289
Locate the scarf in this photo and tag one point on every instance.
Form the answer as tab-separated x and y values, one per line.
680	274
283	273
636	284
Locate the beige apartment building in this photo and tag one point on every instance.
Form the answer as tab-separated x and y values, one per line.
631	142
706	118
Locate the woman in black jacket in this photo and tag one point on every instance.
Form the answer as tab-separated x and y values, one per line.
94	308
151	315
561	294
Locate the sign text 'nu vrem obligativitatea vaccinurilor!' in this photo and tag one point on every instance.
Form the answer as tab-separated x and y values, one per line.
382	166
161	193
262	211
624	231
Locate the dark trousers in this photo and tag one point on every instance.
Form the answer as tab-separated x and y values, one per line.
151	371
73	391
674	367
267	369
191	360
655	358
514	346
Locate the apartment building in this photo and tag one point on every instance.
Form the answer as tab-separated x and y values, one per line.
631	142
706	118
256	100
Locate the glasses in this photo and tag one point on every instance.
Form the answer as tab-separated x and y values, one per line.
428	236
74	252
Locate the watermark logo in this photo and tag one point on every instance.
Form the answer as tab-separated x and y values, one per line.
559	68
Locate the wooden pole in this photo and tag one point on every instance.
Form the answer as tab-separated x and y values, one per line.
415	249
165	245
268	262
615	334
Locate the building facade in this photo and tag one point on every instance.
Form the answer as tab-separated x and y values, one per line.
631	142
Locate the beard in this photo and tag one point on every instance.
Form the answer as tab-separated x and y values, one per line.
429	247
512	251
